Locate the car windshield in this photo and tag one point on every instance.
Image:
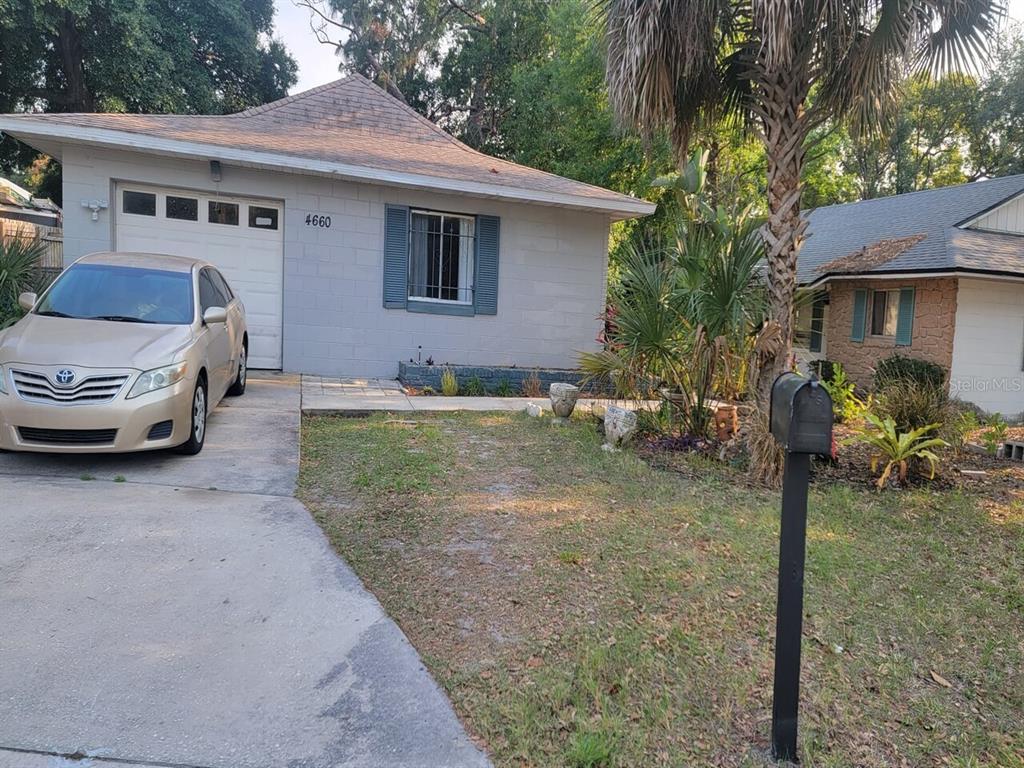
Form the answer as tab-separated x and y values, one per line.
121	294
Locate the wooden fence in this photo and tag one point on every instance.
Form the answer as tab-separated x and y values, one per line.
52	257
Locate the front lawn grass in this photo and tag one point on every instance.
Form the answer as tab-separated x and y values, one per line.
583	609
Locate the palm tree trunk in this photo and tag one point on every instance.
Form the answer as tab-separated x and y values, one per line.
784	133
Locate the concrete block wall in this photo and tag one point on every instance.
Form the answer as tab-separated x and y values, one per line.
552	267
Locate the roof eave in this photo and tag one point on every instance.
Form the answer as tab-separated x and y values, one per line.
898	274
27	129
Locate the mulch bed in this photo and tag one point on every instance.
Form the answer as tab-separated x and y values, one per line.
1003	479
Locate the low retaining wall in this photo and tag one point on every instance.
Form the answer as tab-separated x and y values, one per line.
420	376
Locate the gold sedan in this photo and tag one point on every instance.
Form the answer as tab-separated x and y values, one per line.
124	352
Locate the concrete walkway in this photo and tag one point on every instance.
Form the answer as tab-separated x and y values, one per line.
355	397
187	612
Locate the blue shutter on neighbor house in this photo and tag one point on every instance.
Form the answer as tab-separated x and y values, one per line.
905	318
860	314
485	295
396	256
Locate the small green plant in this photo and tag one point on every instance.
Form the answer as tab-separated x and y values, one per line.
846	406
532	387
994	434
428	391
590	749
897	449
959	428
504	389
87	477
119	479
449	383
910	369
474	388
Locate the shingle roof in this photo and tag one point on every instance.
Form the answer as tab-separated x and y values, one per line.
349	122
837	233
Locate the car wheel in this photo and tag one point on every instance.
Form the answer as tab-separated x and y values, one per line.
238	386
197	433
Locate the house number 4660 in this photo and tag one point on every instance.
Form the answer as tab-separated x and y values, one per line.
315	220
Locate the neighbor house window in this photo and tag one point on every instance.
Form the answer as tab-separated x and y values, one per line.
223	213
885	309
139	203
441	257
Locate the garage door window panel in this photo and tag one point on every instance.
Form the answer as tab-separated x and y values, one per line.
182	208
223	213
138	203
261	217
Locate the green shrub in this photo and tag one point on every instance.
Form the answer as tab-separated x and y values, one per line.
19	272
914	404
959	428
428	391
449	383
504	389
994	434
897	368
846	406
473	388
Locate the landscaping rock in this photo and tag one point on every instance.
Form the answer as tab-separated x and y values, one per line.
532	409
619	426
563	399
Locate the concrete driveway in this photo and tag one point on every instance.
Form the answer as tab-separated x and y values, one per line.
192	615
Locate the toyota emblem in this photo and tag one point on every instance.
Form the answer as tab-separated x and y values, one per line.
65	377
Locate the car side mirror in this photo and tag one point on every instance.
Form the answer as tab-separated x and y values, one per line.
215	315
27	300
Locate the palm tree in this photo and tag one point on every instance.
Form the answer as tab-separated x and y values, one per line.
785	67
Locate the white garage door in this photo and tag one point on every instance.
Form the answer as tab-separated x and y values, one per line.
244	238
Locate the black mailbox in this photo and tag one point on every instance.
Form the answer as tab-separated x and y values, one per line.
801	415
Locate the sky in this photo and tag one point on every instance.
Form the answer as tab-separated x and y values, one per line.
319	65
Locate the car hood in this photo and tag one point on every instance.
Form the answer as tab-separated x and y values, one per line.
41	340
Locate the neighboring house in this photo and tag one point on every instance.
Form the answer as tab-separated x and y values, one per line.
357	232
28	218
937	275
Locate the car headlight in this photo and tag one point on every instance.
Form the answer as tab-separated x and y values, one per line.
158	378
3	380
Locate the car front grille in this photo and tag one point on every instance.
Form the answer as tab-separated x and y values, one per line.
91	390
161	430
67	436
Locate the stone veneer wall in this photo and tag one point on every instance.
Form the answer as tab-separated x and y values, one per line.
419	376
931	339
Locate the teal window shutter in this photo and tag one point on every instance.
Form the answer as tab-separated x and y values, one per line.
396	256
860	314
485	287
905	318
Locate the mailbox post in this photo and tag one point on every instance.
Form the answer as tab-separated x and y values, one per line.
801	421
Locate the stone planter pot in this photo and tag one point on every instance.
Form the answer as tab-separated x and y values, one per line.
563	399
619	426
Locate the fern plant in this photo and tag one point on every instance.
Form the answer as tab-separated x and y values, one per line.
897	449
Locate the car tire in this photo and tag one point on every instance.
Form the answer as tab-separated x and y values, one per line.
237	388
197	427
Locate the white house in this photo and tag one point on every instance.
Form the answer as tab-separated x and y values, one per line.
357	232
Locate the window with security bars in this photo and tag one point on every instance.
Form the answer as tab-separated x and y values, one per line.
441	257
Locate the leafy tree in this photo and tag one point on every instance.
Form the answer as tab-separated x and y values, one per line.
184	56
680	64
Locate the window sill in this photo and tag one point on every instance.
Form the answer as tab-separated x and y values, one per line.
440	308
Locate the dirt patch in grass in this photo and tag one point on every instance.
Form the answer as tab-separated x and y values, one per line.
585	609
